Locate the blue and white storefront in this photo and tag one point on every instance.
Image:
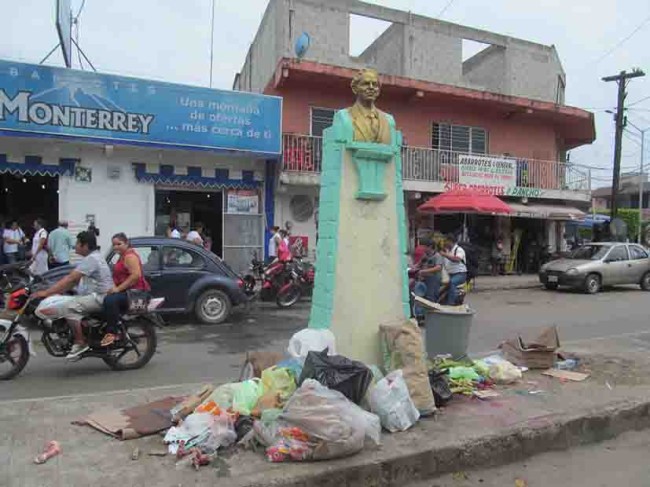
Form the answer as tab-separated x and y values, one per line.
133	155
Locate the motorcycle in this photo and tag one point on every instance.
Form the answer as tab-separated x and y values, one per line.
280	281
13	276
133	350
306	275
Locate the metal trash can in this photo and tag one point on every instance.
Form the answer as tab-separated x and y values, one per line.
447	332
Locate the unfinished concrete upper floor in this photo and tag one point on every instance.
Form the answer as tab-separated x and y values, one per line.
413	46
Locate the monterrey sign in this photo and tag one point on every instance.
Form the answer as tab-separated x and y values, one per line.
51	101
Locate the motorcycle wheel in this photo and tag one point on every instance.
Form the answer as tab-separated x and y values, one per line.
14	355
289	297
249	284
137	354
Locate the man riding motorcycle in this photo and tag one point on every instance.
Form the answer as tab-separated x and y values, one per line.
94	278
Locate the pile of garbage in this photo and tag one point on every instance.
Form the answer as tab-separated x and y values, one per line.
313	404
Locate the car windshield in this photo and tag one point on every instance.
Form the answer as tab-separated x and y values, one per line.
590	252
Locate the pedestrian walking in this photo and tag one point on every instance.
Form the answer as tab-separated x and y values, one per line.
38	263
274	242
13	239
59	245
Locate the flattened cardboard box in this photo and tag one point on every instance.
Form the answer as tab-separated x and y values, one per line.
540	353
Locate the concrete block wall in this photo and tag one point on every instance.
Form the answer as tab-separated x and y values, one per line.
414	47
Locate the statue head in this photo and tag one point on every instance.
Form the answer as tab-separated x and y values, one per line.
366	86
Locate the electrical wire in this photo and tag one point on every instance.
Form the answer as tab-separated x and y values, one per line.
638	101
622	41
449	3
83	4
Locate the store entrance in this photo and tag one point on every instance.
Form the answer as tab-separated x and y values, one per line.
187	208
25	198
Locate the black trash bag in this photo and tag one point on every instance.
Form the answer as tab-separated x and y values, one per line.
349	377
440	387
243	425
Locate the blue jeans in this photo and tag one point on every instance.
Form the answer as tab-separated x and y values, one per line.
433	282
455	280
420	289
114	306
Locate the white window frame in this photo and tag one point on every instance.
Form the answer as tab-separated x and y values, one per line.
471	128
311	116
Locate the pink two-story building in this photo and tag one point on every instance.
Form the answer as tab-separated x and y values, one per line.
503	107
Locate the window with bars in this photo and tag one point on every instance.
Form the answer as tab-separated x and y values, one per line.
459	138
321	118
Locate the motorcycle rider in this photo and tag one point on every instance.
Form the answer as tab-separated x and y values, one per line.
95	280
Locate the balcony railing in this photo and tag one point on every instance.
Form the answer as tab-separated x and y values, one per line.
303	154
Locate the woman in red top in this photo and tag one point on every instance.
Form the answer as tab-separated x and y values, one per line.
127	274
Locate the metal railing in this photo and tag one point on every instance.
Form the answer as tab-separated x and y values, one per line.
303	154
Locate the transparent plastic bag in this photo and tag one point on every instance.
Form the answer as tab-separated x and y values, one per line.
311	340
390	400
337	426
223	395
504	373
279	381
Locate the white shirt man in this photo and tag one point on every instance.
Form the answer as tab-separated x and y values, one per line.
456	267
39	253
12	236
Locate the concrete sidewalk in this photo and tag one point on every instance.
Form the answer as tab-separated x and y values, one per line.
467	434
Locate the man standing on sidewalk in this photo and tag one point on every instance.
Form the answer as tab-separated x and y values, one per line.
456	267
12	238
38	264
59	245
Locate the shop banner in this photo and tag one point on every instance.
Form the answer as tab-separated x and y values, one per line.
481	172
36	99
243	202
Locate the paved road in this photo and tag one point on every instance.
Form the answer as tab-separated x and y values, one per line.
622	461
193	353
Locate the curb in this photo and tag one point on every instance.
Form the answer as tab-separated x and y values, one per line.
513	445
527	285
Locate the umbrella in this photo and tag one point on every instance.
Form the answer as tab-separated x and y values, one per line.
465	201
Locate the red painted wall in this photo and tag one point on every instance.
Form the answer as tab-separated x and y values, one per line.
520	135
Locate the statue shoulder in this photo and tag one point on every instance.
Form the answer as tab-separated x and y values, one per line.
389	118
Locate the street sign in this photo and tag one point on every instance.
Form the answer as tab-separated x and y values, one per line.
64	28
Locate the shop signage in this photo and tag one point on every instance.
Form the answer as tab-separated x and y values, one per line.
37	99
491	175
477	171
243	201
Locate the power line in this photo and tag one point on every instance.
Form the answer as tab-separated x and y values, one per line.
449	3
83	4
638	101
622	41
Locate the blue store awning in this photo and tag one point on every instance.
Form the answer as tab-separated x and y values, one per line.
196	177
34	166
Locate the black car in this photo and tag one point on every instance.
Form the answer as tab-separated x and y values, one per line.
190	278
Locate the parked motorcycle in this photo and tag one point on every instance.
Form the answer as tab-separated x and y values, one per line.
306	274
280	282
133	350
13	276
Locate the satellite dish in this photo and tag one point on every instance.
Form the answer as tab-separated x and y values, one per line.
618	230
302	45
645	235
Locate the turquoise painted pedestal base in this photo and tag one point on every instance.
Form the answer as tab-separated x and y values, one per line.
361	279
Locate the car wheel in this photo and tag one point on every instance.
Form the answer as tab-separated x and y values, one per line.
551	286
592	284
645	281
213	307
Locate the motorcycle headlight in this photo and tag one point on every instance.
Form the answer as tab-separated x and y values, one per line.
572	272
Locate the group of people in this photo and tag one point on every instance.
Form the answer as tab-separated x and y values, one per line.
48	251
433	261
279	246
98	288
197	236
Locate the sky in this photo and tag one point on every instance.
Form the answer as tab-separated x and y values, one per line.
170	40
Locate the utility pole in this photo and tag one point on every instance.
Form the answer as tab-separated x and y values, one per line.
641	185
621	79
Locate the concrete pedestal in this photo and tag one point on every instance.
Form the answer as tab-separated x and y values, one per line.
361	280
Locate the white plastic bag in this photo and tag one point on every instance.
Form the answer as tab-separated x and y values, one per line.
390	400
311	340
504	372
202	430
54	307
337	425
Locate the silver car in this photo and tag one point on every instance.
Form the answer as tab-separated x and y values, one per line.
593	266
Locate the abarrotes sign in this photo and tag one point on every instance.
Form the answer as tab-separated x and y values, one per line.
42	100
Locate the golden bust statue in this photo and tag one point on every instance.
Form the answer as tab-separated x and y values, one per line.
370	124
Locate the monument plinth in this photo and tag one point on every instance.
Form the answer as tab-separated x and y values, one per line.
361	280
